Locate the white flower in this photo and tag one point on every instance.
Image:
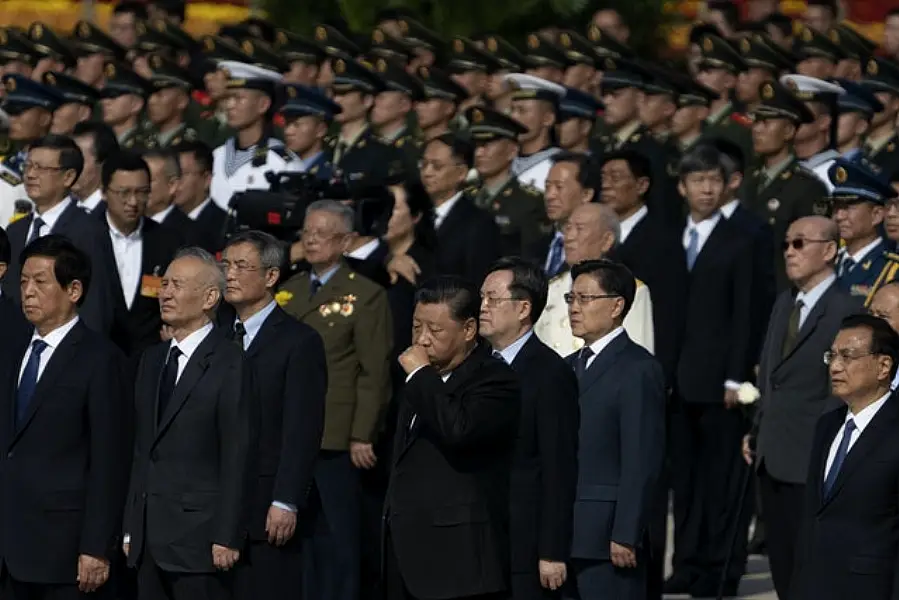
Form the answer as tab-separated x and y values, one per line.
748	393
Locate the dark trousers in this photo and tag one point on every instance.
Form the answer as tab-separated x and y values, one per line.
782	503
153	583
270	572
331	559
707	477
601	580
11	589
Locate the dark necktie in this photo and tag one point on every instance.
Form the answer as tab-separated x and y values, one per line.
692	247
167	381
314	287
556	256
840	457
499	355
792	328
29	379
36	226
240	334
846	265
580	367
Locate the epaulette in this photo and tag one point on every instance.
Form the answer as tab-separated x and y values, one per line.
330	141
10	178
17	217
635	137
530	189
282	151
891	256
741	119
471	190
639	283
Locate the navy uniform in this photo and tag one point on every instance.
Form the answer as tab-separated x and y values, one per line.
122	81
517	209
239	169
861	275
405	142
168	75
581	106
310	103
860	100
22	94
532	170
882	75
366	157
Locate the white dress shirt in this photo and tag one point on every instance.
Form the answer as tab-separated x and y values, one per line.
161	215
730	208
626	226
512	350
862	420
703	231
365	250
128	250
91	203
859	256
440	212
601	344
188	346
53	340
810	299
50	218
254	323
195	213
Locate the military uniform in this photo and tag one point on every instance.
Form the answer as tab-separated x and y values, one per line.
404	142
303	101
519	213
883	76
533	169
137	139
889	273
121	81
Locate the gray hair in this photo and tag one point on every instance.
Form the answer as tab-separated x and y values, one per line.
609	220
344	212
271	251
216	275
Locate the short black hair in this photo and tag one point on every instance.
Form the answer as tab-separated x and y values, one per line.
5	250
460	148
123	161
884	340
529	282
421	205
70	157
781	22
173	8
830	5
201	152
460	295
700	30
702	158
613	277
70	263
637	162
587	170
728	9
105	141
167	156
138	9
731	153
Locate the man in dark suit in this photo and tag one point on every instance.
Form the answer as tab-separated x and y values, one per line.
65	437
447	507
53	164
165	171
706	427
98	143
622	437
793	383
12	323
544	469
291	379
196	159
185	515
468	238
142	250
849	539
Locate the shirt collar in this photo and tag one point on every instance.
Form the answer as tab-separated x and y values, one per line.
324	277
55	337
93	201
861	254
730	208
705	226
52	216
161	215
350	142
308	163
195	213
624	134
866	415
601	344
442	211
626	226
365	250
811	297
392	137
772	173
189	345
512	350
254	323
133	236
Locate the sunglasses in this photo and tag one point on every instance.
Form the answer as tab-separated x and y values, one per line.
799	243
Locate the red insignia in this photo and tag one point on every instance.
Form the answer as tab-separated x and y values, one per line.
202	98
741	119
273	218
278	121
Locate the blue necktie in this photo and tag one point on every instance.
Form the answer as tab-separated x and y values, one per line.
29	379
846	265
692	247
842	451
314	287
36	226
555	256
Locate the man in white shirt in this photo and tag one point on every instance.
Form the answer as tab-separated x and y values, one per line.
571	182
192	197
590	232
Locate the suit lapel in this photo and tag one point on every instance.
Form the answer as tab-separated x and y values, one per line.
606	358
12	384
267	331
66	218
810	323
710	248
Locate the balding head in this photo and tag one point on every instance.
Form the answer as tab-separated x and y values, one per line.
811	247
885	304
191	289
590	232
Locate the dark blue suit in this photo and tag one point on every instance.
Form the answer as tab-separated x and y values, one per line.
620	454
861	278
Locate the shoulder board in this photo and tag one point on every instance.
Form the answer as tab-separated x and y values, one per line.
891	256
639	283
471	190
18	217
283	152
191	135
741	119
10	178
530	189
635	137
330	141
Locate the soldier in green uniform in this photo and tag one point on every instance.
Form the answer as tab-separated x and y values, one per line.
470	67
657	104
94	49
765	61
882	143
389	115
544	59
781	191
54	53
336	46
510	60
688	123
517	208
816	55
124	98
857	49
80	100
390	48
304	56
17	54
442	97
168	102
580	73
426	45
606	46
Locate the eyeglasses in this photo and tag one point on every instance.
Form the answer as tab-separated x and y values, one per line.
830	357
40	169
799	243
320	235
587	298
493	301
241	266
126	193
437	166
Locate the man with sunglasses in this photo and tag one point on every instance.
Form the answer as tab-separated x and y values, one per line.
793	382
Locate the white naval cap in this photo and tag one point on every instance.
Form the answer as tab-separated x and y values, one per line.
526	87
246	76
811	88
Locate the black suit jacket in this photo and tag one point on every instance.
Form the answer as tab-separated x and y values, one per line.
209	228
16	330
447	504
468	241
87	234
190	473
137	328
848	545
622	447
291	378
654	253
717	334
64	469
180	223
544	469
